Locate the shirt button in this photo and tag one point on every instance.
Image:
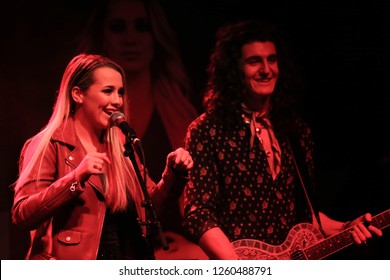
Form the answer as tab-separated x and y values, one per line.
70	158
67	238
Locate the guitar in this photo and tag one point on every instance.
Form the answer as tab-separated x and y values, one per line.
180	249
303	242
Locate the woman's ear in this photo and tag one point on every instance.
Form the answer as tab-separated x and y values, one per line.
77	95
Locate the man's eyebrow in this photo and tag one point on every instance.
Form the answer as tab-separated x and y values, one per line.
252	57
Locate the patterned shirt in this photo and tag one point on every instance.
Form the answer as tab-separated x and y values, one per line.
231	186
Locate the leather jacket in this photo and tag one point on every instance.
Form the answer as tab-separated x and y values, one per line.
65	219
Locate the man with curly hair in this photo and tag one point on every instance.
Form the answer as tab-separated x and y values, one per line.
248	183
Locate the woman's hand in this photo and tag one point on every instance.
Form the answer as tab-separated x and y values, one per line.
180	161
92	164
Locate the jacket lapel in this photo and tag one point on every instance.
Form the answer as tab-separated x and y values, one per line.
67	136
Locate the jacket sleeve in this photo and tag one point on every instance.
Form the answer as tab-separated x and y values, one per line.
37	199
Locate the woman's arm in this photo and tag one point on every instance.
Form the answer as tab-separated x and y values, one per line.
38	197
35	200
173	181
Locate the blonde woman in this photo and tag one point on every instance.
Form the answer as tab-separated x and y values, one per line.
77	193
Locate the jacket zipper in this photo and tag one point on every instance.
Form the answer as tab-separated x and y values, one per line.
100	228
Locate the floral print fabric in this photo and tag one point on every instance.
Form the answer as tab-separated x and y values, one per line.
231	186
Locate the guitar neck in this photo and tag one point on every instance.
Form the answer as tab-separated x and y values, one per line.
341	240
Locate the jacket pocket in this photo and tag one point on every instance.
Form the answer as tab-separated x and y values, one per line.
69	237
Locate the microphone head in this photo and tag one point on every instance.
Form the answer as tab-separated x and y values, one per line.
117	117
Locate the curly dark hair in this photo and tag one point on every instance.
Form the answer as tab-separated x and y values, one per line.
226	87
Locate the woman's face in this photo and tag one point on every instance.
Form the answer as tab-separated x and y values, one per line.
128	38
104	96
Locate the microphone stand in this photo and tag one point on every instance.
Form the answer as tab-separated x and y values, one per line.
152	222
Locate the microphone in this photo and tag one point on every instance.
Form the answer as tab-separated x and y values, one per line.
118	119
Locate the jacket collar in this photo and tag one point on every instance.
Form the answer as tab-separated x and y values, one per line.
66	135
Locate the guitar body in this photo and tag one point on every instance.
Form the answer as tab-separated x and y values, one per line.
303	242
180	249
300	237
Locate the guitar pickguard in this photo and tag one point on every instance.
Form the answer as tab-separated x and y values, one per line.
300	236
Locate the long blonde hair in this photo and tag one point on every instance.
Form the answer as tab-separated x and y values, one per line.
122	185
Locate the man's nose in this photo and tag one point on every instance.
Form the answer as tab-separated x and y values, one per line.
264	68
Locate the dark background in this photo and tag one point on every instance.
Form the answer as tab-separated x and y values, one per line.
342	50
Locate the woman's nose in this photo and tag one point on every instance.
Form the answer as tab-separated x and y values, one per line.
130	34
117	100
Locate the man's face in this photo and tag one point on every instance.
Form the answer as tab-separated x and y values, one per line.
259	64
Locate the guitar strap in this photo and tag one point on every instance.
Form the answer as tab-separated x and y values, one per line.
304	176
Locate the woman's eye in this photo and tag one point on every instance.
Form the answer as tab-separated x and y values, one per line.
117	26
142	25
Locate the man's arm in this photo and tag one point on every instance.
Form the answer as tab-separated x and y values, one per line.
217	246
361	228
